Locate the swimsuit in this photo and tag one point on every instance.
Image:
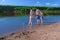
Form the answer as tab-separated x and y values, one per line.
38	17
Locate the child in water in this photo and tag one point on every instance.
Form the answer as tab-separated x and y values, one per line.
31	16
39	16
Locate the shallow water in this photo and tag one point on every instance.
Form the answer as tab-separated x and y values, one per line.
9	24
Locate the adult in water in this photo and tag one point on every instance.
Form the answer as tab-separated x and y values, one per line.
39	16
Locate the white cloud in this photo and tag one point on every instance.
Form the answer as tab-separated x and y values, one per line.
2	0
55	4
37	3
47	3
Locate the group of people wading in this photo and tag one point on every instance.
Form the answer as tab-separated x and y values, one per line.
38	14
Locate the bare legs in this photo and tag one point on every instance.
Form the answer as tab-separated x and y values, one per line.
30	21
40	21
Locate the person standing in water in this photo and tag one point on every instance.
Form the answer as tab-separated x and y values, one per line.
39	16
31	16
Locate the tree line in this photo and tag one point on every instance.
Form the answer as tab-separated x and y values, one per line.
24	10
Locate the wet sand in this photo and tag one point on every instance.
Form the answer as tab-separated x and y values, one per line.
46	32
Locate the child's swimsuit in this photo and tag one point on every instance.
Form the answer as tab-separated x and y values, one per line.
38	17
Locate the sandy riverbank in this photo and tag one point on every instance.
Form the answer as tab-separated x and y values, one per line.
47	32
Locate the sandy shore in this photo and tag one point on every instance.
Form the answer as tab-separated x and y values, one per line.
47	32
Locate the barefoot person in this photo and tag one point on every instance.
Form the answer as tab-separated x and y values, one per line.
39	15
31	17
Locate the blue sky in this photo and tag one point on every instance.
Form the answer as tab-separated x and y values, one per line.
31	2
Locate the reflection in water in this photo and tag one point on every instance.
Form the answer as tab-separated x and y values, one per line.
30	26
